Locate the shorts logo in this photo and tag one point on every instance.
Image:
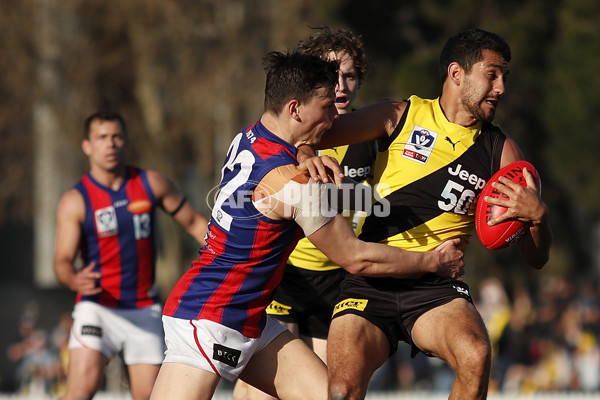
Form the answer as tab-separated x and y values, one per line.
462	290
419	145
276	308
350	304
226	355
106	221
90	330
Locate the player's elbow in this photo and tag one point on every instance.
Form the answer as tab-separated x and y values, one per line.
57	270
61	277
62	273
356	265
537	255
354	268
539	261
536	258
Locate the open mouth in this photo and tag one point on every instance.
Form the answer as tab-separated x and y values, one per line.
492	102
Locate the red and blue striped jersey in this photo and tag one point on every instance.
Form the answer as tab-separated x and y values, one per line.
242	262
118	234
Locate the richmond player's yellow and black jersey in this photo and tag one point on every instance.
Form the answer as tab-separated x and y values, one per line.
428	178
356	161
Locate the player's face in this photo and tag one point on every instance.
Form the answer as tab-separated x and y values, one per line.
106	145
348	83
484	86
318	115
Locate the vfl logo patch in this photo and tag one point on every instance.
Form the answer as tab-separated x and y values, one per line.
89	330
276	308
350	304
419	145
226	355
106	221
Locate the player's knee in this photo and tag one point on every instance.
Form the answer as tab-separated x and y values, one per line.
338	391
343	389
476	359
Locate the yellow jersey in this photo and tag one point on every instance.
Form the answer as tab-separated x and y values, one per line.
428	178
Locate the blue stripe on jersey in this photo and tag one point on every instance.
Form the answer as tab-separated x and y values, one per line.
127	236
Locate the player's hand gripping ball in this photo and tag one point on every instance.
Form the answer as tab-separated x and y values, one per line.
508	232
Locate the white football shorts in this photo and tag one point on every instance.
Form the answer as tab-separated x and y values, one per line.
136	332
213	347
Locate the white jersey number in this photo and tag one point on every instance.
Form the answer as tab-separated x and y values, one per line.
457	199
246	160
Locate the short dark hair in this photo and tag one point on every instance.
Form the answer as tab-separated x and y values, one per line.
327	40
294	75
103	116
466	49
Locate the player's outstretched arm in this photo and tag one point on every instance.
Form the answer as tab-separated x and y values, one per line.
174	202
339	243
369	122
286	193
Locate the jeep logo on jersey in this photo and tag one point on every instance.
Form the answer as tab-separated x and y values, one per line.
106	221
419	145
361	172
226	355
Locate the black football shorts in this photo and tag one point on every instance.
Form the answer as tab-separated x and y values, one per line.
394	305
307	298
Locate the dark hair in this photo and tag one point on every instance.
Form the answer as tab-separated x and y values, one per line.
103	116
296	76
327	40
466	49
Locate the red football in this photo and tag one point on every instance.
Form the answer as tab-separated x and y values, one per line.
504	234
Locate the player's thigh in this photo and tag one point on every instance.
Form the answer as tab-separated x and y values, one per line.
451	331
318	345
86	367
182	382
355	348
141	379
287	368
292	326
142	336
243	391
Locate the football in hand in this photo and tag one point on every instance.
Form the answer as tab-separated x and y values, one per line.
505	233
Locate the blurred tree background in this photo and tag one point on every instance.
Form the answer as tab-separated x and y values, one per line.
187	74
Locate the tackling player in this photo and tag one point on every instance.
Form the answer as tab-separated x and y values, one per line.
214	319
